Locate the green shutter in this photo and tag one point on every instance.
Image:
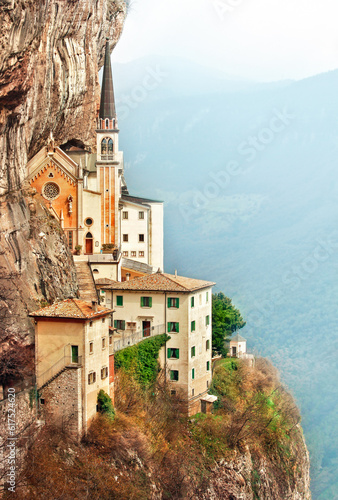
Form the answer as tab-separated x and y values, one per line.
115	323
168	302
178	353
119	300
150	301
178	303
168	327
177	327
142	302
193	373
169	352
123	325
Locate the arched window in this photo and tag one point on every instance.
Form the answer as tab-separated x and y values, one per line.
110	146
104	147
89	235
107	124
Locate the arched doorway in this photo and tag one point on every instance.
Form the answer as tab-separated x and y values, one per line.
89	243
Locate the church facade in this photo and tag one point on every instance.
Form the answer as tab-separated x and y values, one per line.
87	193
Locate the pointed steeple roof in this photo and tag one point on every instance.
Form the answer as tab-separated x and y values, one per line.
107	105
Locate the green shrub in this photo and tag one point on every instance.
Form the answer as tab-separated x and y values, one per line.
141	360
105	404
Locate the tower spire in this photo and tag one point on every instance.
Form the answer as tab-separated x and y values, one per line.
107	105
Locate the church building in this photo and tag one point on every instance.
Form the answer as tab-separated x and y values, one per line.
86	192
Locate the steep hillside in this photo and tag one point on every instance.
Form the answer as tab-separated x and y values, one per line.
251	448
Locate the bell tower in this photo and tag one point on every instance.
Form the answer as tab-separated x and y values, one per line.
109	162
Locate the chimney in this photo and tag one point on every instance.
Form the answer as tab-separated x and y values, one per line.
94	305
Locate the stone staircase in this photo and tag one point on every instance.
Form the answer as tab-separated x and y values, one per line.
86	282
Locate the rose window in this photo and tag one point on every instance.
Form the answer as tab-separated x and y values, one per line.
51	191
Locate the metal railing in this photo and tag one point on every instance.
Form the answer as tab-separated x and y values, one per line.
131	339
58	367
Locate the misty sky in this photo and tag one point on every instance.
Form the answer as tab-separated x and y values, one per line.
255	39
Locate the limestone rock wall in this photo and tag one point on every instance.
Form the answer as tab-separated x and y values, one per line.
50	55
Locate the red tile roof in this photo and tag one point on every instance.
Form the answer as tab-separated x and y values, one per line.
159	282
71	308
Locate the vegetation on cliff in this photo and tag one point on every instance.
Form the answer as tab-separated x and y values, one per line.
226	319
251	445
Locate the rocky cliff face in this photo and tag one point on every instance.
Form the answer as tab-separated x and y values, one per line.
50	55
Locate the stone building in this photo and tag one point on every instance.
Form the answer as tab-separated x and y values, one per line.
86	192
74	361
163	303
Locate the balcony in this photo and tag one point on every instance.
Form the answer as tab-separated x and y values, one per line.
123	339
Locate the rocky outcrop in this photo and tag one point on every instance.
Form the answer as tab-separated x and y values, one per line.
249	476
50	55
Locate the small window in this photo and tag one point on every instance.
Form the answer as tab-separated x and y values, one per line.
173	353
91	378
141	215
90	323
119	324
207	297
207	384
193	373
193	392
110	340
125	237
207	320
42	401
119	300
124	215
104	372
103	342
174	302
91	347
125	254
103	320
207	345
95	271
110	146
89	221
173	327
51	175
104	147
208	366
146	301
70	239
193	351
141	254
193	326
141	238
200	299
133	254
192	301
174	375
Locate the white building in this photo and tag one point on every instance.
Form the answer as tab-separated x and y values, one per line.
181	307
142	230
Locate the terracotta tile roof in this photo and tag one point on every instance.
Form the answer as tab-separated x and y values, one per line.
160	282
71	308
104	281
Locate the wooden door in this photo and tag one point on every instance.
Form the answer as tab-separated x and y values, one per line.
89	245
146	328
75	354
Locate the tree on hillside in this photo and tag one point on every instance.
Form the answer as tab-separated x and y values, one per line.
226	319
